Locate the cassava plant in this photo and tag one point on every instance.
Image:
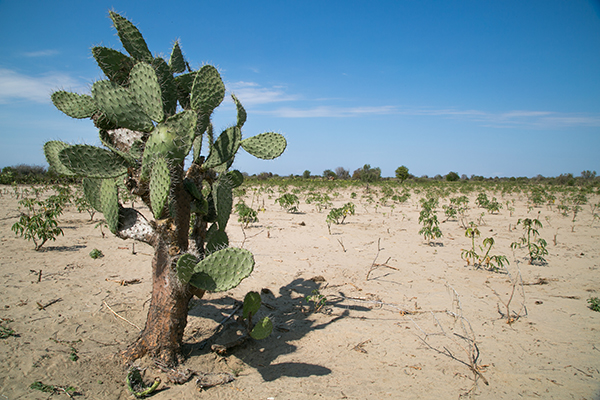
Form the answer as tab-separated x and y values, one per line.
535	246
151	114
428	217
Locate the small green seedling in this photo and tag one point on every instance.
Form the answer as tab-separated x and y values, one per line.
5	331
95	254
263	328
42	387
594	304
317	299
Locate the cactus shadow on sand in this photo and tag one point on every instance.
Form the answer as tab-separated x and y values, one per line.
292	319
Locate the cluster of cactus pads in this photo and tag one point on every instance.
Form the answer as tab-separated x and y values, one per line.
151	115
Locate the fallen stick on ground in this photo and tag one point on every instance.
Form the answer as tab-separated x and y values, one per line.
115	313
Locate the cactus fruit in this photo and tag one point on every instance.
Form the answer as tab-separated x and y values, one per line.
74	105
223	270
266	146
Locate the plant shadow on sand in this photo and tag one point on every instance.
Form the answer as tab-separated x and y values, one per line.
292	321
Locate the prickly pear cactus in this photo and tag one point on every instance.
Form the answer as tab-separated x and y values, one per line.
151	114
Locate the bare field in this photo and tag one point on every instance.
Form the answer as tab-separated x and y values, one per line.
423	325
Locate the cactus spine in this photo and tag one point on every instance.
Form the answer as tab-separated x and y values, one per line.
151	114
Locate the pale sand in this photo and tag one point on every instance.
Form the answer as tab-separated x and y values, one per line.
353	349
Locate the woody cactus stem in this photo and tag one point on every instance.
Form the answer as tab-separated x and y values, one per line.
145	144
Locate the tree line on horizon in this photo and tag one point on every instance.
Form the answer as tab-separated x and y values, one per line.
34	174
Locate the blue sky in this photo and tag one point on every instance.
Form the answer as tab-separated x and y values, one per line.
492	88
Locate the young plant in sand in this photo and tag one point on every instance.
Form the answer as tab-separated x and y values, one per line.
152	113
39	221
246	215
320	200
338	215
577	200
471	256
289	202
428	217
536	246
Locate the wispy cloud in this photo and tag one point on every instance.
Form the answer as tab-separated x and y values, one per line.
41	53
16	86
509	119
251	93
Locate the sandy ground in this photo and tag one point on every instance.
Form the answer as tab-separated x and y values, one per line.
389	336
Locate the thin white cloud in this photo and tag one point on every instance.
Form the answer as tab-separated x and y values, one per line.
41	53
509	119
16	86
251	93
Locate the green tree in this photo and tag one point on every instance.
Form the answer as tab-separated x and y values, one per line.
329	174
402	173
452	177
367	174
306	174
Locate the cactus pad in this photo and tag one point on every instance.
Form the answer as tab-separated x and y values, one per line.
51	151
167	84
160	184
266	146
120	107
92	162
91	191
109	197
176	61
216	239
223	196
241	113
131	38
223	270
74	105
262	329
235	178
208	90
143	84
115	65
185	267
224	148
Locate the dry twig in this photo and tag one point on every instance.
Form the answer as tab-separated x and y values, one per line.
117	315
374	266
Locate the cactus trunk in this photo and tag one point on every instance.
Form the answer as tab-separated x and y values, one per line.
167	315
